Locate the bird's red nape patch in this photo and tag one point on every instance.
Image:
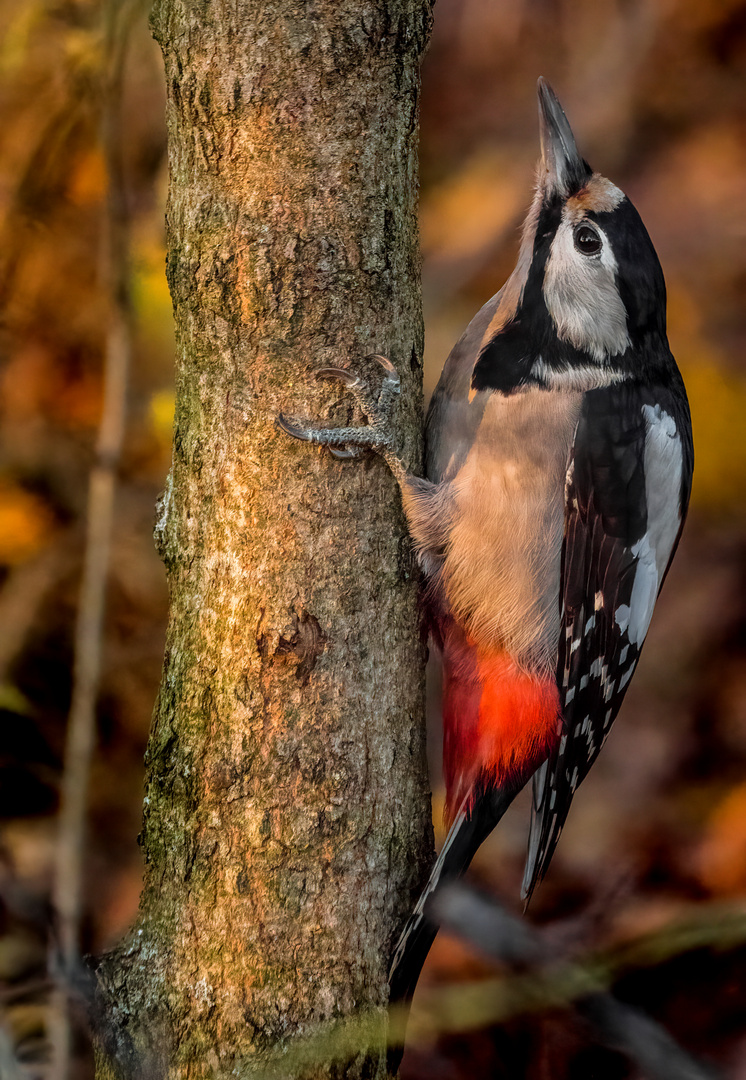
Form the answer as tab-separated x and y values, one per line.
499	723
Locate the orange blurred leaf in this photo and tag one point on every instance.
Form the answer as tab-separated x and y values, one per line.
722	857
25	523
87	182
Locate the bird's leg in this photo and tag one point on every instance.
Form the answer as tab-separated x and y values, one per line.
352	441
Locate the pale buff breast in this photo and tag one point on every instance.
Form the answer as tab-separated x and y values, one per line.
501	574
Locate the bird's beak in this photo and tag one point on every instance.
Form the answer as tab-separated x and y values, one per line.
565	171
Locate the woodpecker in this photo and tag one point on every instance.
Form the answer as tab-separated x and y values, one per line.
559	462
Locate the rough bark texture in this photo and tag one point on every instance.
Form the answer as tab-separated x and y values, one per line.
287	811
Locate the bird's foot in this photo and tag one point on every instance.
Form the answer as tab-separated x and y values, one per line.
352	442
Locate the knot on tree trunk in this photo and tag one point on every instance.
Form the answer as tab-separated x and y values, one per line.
305	642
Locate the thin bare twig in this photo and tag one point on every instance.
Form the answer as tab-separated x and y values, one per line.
498	934
645	1042
9	1067
117	17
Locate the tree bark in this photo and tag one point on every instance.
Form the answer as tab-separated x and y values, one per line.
287	822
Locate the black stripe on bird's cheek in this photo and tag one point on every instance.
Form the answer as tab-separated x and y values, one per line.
505	361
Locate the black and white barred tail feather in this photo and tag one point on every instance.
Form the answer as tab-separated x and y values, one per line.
465	837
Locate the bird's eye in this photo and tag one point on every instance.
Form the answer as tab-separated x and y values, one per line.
587	240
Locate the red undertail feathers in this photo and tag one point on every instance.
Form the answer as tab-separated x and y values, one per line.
499	723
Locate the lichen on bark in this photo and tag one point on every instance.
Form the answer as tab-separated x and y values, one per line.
287	809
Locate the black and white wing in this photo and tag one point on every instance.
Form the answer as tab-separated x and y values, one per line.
626	496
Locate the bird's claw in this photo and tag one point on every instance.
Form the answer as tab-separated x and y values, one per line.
351	380
320	437
388	367
338	374
290	429
344	455
347	443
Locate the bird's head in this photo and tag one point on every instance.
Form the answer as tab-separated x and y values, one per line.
587	299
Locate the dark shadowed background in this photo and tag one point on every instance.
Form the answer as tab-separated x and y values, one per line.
656	94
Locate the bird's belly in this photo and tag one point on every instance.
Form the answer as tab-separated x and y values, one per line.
501	574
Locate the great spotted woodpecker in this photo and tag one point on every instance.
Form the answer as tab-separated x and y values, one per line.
559	465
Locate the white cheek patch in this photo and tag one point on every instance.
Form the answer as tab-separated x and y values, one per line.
582	297
663	467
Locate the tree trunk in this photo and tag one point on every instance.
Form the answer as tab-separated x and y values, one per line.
287	824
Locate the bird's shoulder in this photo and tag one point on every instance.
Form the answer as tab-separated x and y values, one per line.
454	416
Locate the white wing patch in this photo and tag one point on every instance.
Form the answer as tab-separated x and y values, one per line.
663	472
663	467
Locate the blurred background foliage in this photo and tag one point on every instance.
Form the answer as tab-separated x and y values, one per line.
656	93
